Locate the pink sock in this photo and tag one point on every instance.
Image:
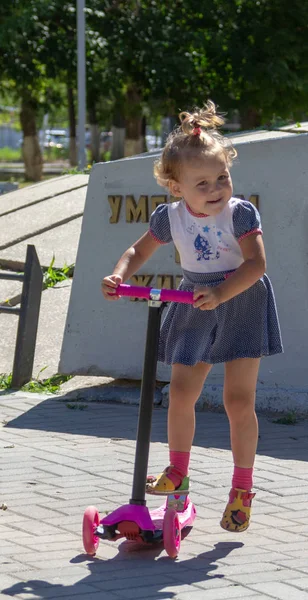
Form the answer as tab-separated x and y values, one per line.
242	478
180	462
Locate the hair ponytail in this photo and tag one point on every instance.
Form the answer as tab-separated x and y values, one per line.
205	118
197	135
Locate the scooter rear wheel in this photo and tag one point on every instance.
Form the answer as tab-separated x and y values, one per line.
91	520
172	532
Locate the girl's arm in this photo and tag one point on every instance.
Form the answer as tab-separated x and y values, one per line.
253	267
132	259
244	277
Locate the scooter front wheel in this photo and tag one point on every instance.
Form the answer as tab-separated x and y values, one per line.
91	520
172	532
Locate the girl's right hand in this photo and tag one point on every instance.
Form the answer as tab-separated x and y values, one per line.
109	285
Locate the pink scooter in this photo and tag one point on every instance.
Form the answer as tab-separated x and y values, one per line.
134	521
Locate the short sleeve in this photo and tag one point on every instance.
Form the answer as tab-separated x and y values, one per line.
246	220
160	225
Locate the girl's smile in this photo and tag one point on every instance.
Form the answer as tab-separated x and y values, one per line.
205	184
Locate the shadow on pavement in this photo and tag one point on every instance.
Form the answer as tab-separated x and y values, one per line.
119	421
142	574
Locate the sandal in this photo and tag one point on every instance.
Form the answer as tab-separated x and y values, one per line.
237	512
163	486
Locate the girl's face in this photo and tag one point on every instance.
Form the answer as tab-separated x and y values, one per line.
205	184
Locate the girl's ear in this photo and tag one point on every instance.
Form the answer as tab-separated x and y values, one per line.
175	188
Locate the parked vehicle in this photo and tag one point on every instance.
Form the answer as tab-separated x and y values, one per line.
55	138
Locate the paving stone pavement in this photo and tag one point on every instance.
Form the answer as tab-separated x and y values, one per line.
56	460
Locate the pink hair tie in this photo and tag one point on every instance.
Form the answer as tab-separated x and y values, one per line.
197	131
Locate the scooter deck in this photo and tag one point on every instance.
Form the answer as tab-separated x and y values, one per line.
184	507
144	525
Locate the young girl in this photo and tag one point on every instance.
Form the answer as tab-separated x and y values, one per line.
233	319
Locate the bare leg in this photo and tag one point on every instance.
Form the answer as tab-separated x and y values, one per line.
239	400
185	389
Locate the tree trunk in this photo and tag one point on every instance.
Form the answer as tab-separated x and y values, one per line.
168	124
133	140
72	127
118	133
95	143
132	147
118	141
95	135
250	118
31	151
143	134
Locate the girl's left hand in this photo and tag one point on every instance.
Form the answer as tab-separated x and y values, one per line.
206	298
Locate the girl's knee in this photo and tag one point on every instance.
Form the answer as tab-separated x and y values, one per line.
183	394
187	382
180	397
239	407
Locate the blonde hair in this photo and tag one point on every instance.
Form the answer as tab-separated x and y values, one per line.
197	135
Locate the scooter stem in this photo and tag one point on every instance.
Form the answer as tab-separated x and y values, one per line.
146	405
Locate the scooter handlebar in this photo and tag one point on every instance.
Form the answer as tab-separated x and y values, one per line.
149	293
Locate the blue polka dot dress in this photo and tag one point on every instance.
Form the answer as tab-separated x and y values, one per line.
245	326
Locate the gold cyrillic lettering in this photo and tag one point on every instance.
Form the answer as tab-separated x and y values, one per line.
156	200
178	280
137	212
115	203
254	199
165	281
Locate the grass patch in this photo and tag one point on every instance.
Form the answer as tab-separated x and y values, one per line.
53	154
5	381
77	171
52	275
51	385
10	154
289	418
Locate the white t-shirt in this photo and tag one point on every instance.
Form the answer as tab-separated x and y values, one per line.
206	244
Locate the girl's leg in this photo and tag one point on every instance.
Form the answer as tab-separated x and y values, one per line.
185	388
239	400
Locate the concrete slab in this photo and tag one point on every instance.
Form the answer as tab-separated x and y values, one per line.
8	290
39	191
301	127
8	331
50	332
31	220
105	389
62	242
258	136
51	326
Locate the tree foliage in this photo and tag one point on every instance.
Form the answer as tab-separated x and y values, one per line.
246	54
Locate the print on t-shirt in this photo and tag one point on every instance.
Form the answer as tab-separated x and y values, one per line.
207	251
204	249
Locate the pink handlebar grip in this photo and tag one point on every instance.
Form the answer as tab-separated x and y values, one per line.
177	296
136	291
133	291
